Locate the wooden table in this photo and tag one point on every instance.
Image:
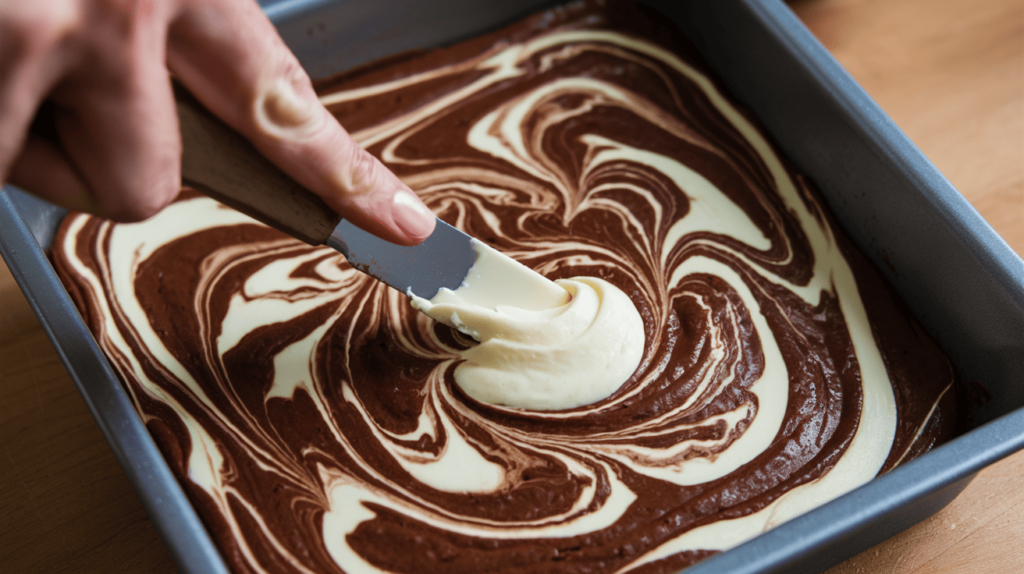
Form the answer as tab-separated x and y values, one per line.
949	72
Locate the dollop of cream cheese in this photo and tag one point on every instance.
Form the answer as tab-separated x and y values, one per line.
543	345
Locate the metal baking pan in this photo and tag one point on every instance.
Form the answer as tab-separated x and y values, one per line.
963	282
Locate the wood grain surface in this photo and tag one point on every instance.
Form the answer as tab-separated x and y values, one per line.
949	72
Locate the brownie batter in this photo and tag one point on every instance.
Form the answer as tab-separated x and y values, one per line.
311	414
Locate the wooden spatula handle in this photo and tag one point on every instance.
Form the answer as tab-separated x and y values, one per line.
219	162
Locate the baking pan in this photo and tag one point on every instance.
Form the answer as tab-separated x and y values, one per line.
962	281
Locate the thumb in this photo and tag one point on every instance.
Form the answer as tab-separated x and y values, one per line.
231	58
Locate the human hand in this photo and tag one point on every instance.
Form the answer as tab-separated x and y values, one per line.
104	65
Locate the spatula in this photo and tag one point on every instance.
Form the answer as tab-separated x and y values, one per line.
219	162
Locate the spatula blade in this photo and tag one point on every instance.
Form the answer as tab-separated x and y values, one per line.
441	260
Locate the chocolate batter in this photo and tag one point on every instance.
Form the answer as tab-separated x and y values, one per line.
311	414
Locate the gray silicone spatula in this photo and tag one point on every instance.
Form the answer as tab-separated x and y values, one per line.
225	166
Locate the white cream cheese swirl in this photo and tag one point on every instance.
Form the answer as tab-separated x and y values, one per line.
319	423
556	346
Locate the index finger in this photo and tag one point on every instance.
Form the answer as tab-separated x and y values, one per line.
232	59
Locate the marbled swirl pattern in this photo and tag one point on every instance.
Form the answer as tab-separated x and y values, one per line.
311	414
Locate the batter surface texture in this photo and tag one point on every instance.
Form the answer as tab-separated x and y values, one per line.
311	414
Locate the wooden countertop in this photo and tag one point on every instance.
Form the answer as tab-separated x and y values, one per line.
949	72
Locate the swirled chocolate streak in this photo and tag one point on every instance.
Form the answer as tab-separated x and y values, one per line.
311	414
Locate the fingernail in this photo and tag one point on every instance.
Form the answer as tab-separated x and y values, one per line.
284	108
411	216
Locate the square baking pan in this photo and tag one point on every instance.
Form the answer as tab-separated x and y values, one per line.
961	280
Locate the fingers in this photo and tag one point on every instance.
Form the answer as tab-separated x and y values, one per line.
232	59
116	118
31	38
113	148
116	149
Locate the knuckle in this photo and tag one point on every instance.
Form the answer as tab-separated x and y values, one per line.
364	170
285	104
